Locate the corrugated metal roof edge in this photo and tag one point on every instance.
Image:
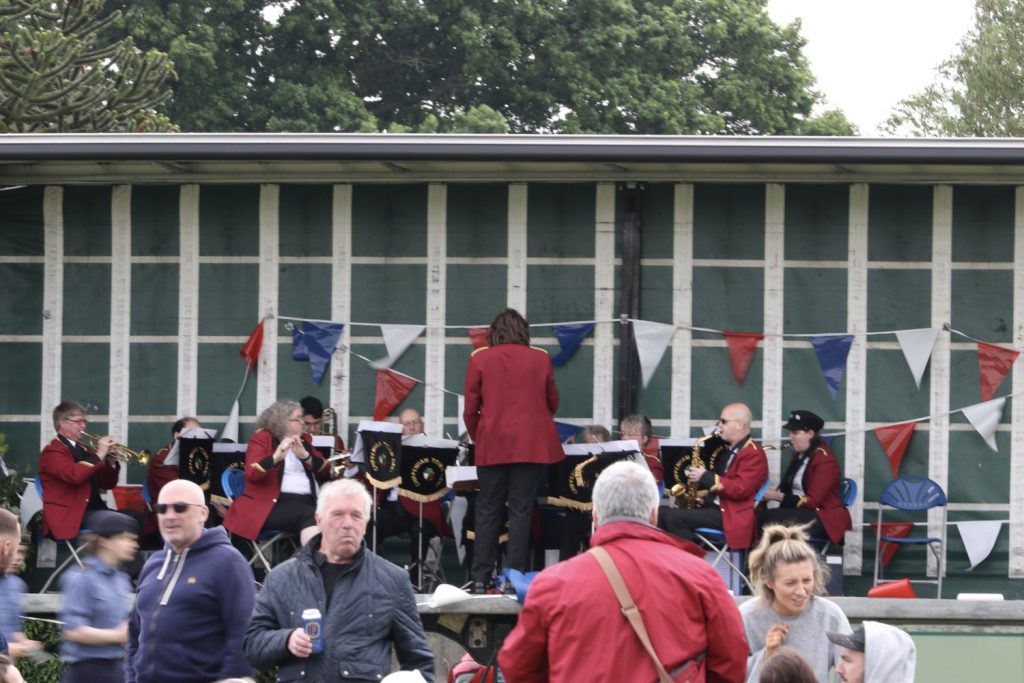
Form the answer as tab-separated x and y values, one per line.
384	147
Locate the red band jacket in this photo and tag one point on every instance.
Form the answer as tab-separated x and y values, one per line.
736	490
67	485
821	493
248	513
511	400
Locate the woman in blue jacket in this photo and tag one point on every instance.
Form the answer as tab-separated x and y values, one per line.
95	611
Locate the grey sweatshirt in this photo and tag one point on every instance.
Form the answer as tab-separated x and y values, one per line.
806	634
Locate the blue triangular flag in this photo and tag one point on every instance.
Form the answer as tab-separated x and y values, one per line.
321	339
566	431
832	352
299	350
569	338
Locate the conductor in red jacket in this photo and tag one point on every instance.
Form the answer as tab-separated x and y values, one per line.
283	473
72	474
511	400
809	490
729	505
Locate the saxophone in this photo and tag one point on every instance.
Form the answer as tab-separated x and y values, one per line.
688	495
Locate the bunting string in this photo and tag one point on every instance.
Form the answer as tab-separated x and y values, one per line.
653	338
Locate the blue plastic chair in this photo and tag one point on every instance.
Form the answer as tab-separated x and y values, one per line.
71	546
848	495
913	494
715	540
233	483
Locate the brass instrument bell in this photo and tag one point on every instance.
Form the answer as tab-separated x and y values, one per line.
120	452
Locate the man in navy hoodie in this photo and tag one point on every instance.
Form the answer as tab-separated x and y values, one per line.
195	598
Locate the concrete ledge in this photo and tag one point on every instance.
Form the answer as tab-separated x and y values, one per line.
915	611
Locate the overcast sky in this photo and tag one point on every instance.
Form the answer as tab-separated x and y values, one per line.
868	54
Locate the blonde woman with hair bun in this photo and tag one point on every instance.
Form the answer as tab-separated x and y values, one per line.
788	608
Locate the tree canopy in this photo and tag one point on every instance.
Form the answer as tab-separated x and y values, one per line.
558	66
58	75
979	92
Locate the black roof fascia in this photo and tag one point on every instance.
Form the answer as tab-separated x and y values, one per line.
510	148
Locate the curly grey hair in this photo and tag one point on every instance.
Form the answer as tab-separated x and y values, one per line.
275	418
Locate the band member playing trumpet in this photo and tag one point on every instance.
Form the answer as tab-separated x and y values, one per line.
73	474
729	504
809	490
283	473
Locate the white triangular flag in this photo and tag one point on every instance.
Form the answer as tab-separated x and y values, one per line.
230	432
985	418
171	459
31	503
397	339
917	349
461	421
651	341
979	539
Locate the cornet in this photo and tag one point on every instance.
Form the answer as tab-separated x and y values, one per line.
120	452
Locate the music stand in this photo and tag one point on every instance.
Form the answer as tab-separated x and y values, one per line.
676	455
379	447
424	461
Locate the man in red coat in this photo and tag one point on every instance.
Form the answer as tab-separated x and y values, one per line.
72	474
729	505
511	400
572	627
809	490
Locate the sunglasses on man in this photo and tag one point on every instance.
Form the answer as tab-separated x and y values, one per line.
164	508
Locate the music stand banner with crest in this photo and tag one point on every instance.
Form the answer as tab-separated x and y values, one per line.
423	464
379	447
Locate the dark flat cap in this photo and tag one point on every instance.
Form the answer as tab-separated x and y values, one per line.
804	420
107	523
851	641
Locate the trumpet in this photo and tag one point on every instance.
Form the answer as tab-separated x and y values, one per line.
120	452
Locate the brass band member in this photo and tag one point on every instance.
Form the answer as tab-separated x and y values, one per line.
638	427
729	505
73	474
282	477
159	474
511	400
809	490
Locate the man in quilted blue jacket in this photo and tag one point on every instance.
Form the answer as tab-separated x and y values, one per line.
367	604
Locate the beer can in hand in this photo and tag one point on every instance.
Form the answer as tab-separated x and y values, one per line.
312	623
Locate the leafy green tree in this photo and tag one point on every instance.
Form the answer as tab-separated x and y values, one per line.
979	92
832	122
57	77
561	66
215	46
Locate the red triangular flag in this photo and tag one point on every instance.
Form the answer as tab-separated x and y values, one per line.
251	349
392	388
898	529
894	440
478	335
741	351
994	364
